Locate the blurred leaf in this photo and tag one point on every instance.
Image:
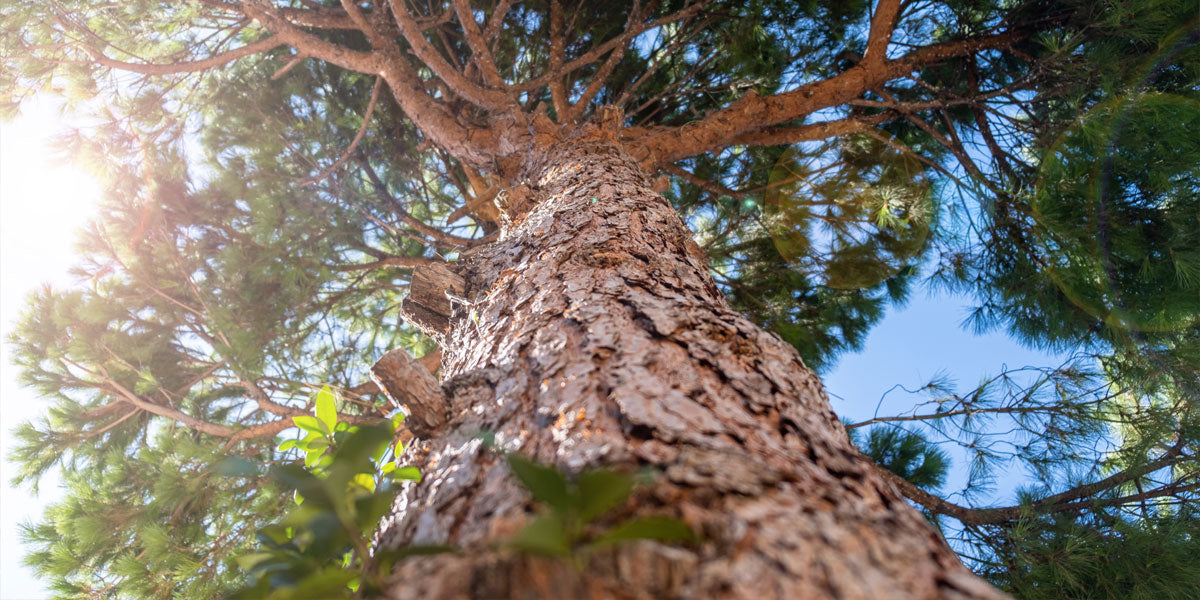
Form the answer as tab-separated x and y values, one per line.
663	529
545	534
406	473
600	491
544	483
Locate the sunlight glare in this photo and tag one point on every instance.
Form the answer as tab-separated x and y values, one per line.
44	201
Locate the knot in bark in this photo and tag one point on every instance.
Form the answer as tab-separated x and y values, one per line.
514	203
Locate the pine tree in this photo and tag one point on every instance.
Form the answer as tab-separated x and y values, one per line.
585	219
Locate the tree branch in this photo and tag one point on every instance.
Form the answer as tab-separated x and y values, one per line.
403	262
702	183
601	77
1067	500
594	54
433	233
408	384
362	130
752	112
216	60
452	77
307	43
497	19
883	22
480	53
774	136
558	44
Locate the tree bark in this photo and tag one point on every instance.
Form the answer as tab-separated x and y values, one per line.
590	334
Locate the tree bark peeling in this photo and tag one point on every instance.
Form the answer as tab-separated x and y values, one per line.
594	336
429	303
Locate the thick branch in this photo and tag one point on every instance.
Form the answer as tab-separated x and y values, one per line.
452	77
558	91
264	402
774	136
497	19
315	17
480	53
170	413
307	43
594	54
754	112
402	262
883	22
600	78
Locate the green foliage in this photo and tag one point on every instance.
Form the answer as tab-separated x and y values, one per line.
565	527
1066	559
321	548
176	513
906	454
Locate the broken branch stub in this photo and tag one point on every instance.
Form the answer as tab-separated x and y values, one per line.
410	386
427	306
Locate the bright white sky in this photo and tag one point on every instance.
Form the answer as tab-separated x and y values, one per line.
43	202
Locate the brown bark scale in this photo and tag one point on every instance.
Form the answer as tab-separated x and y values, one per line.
592	335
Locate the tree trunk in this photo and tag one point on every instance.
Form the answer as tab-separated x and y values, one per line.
590	334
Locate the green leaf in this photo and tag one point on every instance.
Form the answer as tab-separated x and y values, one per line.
275	534
406	473
287	445
600	491
664	529
359	446
310	424
330	582
327	409
365	481
371	508
544	483
544	535
247	562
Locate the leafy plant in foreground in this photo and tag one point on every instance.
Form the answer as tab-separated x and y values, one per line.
321	548
571	505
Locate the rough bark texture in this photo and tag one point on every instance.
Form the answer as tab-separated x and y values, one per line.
592	335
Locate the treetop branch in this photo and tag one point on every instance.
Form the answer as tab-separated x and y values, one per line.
754	111
451	76
883	22
192	66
